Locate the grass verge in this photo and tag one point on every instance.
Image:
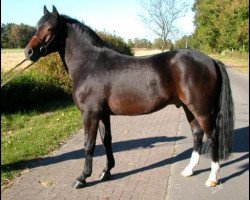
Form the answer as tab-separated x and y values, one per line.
238	63
27	136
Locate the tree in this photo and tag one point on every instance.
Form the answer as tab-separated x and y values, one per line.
157	44
142	43
222	24
16	36
160	16
4	36
187	42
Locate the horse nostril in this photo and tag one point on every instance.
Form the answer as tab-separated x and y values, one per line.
28	52
43	50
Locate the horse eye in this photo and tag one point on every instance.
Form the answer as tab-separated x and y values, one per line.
50	29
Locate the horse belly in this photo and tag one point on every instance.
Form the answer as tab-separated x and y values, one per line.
135	104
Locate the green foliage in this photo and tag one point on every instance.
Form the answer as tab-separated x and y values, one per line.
222	24
52	66
187	42
116	41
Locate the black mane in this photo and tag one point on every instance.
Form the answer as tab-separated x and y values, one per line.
83	30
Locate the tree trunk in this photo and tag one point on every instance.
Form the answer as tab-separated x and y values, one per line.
162	47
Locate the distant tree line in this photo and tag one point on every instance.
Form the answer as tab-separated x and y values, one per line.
15	36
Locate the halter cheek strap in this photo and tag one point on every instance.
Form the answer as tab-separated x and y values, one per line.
43	48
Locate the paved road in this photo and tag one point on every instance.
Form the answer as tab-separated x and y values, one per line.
145	166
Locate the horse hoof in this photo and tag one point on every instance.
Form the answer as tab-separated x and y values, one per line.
77	184
104	176
187	173
210	183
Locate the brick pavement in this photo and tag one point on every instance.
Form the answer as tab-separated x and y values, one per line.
143	148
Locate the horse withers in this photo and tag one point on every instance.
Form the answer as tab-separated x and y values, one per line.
106	82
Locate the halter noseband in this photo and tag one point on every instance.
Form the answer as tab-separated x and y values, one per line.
43	48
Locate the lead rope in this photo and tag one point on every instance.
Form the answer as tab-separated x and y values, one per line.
6	73
14	76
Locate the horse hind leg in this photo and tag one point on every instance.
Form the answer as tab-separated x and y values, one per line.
212	180
105	133
197	136
208	126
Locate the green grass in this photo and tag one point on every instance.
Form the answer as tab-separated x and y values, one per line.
27	136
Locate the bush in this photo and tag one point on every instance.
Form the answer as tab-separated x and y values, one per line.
117	41
45	81
52	66
28	91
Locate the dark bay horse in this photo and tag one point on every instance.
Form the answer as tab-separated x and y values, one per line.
106	82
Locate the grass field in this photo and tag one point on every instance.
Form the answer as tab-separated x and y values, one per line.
29	135
11	57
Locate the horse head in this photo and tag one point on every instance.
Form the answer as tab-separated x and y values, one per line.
45	40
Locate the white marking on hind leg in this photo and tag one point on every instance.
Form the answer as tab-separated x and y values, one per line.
212	180
188	171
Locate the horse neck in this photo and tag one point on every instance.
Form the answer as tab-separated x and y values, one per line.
79	48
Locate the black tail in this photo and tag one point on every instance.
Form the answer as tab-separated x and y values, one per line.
225	115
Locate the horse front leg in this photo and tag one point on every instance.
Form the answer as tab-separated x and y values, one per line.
91	120
105	132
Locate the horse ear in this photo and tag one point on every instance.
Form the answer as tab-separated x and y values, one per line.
45	11
55	11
